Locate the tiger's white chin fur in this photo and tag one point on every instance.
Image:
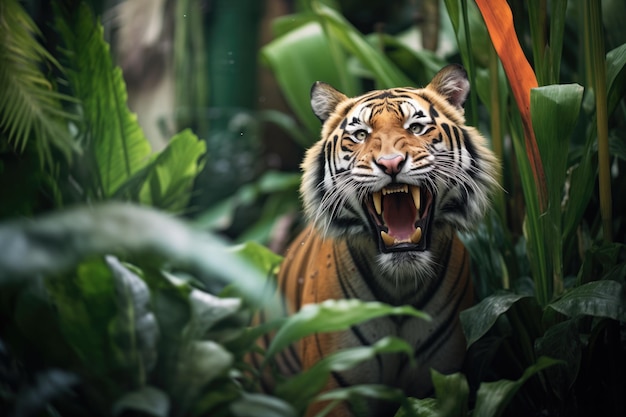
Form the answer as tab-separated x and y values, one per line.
403	267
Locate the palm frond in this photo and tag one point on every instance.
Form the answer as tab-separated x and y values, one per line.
30	106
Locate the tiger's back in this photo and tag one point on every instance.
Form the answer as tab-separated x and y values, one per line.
395	174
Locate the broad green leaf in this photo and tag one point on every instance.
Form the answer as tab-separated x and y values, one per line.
253	405
479	319
206	311
31	108
115	140
86	303
146	400
333	315
493	397
298	59
386	74
359	393
171	174
615	76
596	299
55	243
422	407
199	363
452	392
170	304
552	345
554	110
300	389
260	256
134	330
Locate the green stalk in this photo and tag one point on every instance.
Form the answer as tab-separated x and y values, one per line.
496	128
533	227
595	58
471	69
537	10
558	9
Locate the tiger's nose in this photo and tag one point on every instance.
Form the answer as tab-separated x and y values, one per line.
391	164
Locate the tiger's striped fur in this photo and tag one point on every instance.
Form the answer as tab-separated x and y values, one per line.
411	150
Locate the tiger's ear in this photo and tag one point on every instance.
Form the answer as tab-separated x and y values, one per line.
451	82
324	99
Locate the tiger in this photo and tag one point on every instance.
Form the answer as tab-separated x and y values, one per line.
394	176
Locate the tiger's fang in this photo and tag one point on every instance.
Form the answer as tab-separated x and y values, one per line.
378	204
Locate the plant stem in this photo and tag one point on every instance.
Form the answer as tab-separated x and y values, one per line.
496	127
594	51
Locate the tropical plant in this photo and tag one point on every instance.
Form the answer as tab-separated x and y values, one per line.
134	303
549	274
147	314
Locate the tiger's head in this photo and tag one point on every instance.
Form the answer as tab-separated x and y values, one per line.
397	167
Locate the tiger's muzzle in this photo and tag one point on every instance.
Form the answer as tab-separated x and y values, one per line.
402	216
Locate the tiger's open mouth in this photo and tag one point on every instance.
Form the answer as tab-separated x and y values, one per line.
402	215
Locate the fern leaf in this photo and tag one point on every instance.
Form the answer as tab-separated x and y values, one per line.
30	106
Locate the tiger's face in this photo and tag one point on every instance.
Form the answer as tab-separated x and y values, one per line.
397	167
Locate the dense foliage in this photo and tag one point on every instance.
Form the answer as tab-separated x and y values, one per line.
111	305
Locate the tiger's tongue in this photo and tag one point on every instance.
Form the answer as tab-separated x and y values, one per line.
399	214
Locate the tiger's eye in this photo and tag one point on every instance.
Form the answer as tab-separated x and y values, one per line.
416	128
360	135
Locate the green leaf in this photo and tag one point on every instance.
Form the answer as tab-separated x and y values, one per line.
86	303
452	392
199	363
260	257
492	398
170	176
298	59
333	315
253	405
146	400
300	389
206	311
55	243
422	407
615	76
479	319
596	299
134	330
552	345
115	139
356	395
31	107
554	110
385	73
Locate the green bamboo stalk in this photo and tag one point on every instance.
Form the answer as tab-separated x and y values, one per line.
595	59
